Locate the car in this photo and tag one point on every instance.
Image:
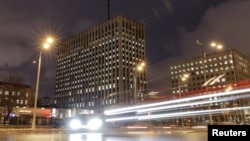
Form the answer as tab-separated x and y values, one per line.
87	122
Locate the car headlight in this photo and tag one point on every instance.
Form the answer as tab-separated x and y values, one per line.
94	124
75	124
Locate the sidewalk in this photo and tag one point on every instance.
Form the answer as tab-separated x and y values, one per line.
27	128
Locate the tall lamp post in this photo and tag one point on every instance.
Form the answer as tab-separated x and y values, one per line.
138	68
219	46
203	55
46	45
182	78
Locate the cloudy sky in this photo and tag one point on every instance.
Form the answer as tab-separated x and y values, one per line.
172	27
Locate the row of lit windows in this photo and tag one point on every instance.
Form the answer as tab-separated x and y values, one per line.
209	60
18	101
87	51
21	101
13	93
200	71
91	66
91	69
195	86
100	88
206	65
92	103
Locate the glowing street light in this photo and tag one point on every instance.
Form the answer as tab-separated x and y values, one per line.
220	46
46	45
216	45
140	67
203	55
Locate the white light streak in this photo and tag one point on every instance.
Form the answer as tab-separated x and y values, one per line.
178	114
169	107
135	108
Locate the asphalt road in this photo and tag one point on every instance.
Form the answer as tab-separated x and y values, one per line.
104	135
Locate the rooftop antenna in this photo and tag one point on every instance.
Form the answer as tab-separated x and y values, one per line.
108	2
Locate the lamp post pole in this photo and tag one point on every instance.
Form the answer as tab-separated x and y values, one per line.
181	79
135	88
138	68
46	46
203	55
235	79
179	87
36	92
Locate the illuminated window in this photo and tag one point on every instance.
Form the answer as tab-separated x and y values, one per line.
223	79
6	93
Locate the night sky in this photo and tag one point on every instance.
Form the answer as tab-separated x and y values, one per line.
172	27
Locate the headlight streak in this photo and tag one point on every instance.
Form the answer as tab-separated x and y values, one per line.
94	124
134	108
192	113
175	106
179	114
75	124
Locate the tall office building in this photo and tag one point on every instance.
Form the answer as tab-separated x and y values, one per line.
96	68
221	69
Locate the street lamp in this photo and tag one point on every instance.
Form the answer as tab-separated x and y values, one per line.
182	78
138	68
220	46
203	55
46	45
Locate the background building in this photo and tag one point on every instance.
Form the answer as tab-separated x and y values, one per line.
12	97
221	69
96	68
45	102
224	71
16	95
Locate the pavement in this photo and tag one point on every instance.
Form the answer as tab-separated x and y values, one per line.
48	129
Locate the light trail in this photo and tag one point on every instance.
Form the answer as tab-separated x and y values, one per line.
191	113
175	106
177	114
135	108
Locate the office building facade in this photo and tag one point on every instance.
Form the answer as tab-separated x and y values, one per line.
221	70
96	68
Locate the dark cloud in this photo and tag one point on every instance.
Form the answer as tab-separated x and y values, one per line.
172	26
